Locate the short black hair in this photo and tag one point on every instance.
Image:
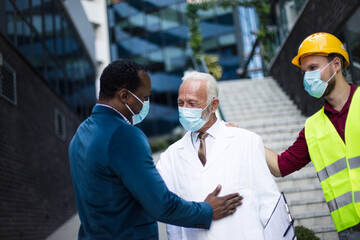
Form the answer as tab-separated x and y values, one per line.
119	74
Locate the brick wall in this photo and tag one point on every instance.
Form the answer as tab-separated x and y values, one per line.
36	194
318	16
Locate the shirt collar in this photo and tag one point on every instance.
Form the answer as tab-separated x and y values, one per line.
212	131
105	105
329	109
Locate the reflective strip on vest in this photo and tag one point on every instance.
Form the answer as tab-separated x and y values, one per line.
332	169
357	196
354	162
343	200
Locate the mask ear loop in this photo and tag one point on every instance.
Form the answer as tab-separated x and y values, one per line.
326	66
331	77
136	97
210	111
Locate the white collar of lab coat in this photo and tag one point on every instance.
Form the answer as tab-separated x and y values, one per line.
223	138
213	131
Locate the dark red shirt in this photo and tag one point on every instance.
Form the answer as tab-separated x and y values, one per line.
297	156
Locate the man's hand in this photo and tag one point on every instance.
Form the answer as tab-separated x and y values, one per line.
223	206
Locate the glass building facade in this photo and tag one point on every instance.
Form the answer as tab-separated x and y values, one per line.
155	33
43	33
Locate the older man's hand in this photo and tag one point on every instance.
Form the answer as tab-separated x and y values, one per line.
223	206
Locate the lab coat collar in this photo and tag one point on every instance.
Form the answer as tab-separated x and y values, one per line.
213	131
223	138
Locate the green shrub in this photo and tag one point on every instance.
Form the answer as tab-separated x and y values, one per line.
158	145
303	233
163	143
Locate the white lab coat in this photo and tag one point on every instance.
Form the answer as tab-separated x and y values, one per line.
237	162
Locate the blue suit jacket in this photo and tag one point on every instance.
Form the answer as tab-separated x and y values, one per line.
119	192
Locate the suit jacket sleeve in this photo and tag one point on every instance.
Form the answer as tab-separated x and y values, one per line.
131	159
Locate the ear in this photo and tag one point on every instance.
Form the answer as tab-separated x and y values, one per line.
337	63
214	105
123	95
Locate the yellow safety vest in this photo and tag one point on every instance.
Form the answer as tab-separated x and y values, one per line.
337	163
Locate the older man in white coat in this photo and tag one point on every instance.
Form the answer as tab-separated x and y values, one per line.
233	157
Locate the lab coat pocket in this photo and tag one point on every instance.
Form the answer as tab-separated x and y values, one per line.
237	174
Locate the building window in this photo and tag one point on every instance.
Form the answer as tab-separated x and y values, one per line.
60	125
8	83
352	34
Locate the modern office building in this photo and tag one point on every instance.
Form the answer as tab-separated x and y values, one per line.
96	12
47	87
155	33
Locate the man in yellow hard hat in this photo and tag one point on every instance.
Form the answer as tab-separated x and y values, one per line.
331	137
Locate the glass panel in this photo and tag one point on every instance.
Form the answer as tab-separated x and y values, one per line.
37	15
49	27
156	61
352	31
24	40
155	38
153	21
228	39
124	9
122	30
138	24
182	13
178	34
203	15
169	17
141	59
155	3
24	8
174	58
223	11
210	44
10	20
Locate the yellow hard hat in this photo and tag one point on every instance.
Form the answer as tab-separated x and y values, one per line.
322	44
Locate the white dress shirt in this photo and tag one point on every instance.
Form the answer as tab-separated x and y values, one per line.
236	160
209	140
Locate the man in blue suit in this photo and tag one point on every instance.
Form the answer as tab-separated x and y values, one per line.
119	193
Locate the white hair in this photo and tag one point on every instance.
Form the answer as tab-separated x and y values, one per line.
211	84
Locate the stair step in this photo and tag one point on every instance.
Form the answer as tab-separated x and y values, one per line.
298	183
309	220
307	207
245	116
292	129
326	233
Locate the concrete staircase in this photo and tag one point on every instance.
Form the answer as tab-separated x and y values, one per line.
262	107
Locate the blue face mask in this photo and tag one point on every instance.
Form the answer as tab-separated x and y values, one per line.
190	118
313	83
137	118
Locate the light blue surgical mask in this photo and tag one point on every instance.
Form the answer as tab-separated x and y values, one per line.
190	118
137	118
313	83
